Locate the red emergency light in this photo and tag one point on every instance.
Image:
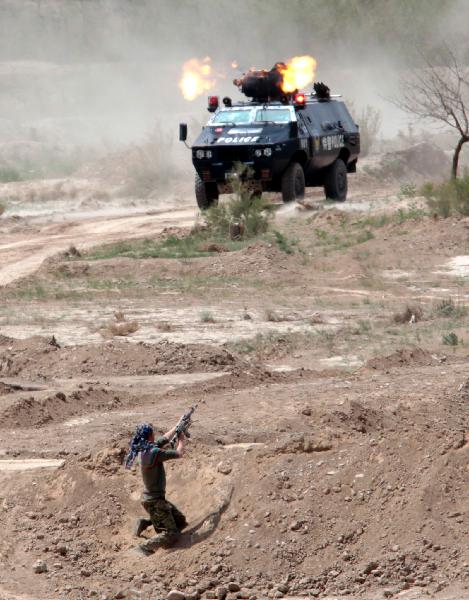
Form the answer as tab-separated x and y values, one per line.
212	103
299	100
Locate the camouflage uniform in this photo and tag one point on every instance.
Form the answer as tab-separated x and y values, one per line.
167	520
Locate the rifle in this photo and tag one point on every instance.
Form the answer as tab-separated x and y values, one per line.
183	426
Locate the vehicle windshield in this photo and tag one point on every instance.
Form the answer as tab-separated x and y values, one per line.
273	115
235	117
252	115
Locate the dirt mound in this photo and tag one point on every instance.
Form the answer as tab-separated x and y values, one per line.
35	356
358	418
261	259
345	514
402	358
32	411
418	163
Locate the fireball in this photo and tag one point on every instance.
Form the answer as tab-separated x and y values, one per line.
196	78
298	73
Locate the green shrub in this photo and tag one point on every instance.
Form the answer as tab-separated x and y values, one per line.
449	197
408	190
284	244
244	207
207	317
412	214
449	308
450	339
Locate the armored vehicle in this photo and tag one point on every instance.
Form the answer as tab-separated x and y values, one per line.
286	141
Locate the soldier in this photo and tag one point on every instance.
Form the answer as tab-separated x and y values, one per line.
167	520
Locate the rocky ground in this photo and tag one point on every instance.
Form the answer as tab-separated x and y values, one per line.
329	456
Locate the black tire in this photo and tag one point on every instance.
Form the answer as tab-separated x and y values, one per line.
335	181
206	194
293	183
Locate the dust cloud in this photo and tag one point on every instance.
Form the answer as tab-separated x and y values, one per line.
102	73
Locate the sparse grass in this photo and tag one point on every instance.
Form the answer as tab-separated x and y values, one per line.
89	289
400	216
191	246
34	291
448	198
207	317
408	190
264	344
363	327
364	236
413	213
449	308
201	284
352	233
2	208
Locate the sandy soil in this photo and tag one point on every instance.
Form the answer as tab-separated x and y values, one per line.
329	456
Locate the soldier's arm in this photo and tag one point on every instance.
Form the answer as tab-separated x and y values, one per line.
180	446
165	439
169	434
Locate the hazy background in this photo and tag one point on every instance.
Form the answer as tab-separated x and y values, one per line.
102	73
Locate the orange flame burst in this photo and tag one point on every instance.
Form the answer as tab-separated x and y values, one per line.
196	78
298	73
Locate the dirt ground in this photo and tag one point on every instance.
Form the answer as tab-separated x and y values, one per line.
329	455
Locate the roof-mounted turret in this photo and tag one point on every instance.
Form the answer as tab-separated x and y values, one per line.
263	85
268	86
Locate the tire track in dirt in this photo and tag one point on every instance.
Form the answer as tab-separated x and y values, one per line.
23	253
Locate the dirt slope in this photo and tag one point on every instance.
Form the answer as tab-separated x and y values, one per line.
329	456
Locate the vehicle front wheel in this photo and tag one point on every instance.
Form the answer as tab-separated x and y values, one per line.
206	194
293	183
335	181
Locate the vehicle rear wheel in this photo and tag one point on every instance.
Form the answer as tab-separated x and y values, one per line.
335	181
206	194
293	183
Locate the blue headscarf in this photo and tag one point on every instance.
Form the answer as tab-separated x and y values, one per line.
139	443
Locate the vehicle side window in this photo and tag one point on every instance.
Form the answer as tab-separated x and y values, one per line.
302	123
310	118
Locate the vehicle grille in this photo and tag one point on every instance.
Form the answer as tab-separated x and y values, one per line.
233	153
